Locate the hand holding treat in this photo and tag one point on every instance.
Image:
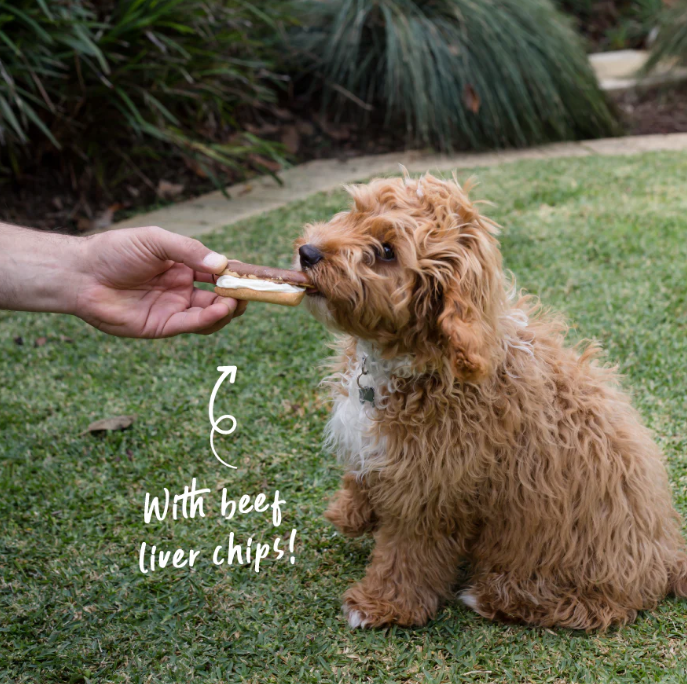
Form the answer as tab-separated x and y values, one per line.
254	283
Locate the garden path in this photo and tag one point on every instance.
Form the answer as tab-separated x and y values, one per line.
209	212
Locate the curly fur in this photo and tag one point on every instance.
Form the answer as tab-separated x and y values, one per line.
490	441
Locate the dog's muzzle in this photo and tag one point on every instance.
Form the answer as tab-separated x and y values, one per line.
310	256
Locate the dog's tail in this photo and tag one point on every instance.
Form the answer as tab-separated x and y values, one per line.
678	583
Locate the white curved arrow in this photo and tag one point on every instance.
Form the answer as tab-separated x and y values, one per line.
225	371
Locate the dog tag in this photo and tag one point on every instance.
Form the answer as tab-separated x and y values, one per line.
366	394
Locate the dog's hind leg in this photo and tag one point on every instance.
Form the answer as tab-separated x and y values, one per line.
678	581
539	601
350	510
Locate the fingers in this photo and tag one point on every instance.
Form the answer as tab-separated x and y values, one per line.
201	320
183	250
203	277
241	308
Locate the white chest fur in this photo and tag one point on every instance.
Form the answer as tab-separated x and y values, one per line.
353	430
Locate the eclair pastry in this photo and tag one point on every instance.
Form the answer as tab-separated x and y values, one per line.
255	283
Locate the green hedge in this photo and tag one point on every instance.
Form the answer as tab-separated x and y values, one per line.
455	73
109	83
671	41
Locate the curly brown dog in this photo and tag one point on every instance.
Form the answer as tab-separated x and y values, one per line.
470	432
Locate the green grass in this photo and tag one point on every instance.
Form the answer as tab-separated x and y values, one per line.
602	239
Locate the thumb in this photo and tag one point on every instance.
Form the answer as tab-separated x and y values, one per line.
183	250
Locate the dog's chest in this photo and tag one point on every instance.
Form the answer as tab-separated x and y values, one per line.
355	428
351	432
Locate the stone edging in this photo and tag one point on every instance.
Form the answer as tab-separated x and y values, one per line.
212	211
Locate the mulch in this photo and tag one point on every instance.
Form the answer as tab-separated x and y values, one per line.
46	201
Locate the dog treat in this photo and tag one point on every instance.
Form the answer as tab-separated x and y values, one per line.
254	283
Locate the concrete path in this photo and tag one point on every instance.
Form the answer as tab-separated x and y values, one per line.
620	70
212	211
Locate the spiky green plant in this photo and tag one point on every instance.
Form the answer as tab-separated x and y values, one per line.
614	24
456	73
671	41
111	83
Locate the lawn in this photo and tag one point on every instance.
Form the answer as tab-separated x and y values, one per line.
602	239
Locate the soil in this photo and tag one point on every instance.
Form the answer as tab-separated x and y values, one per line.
658	110
51	200
43	202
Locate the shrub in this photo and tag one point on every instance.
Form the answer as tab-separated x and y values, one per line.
671	41
456	73
614	24
112	83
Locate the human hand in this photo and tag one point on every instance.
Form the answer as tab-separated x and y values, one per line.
140	282
136	282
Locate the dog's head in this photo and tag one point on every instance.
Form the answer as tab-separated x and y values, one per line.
413	268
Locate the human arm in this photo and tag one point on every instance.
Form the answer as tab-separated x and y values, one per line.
134	282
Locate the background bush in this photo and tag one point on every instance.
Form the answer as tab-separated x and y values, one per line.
111	84
671	41
614	24
455	73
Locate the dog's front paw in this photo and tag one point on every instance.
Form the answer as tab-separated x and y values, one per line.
362	609
350	513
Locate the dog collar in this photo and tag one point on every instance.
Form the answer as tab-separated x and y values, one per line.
366	394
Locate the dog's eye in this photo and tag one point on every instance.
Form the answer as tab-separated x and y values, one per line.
387	253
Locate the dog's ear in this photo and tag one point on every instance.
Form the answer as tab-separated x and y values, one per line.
464	330
470	310
465	265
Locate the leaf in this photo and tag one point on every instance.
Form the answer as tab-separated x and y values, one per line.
167	190
40	341
471	98
291	139
268	164
101	221
113	424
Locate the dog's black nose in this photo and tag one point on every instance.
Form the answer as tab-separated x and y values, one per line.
309	256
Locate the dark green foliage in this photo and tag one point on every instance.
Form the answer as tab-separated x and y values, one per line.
614	24
671	42
457	73
127	79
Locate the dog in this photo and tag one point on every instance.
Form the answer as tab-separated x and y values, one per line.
471	434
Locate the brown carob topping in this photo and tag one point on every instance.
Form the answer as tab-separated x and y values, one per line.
278	275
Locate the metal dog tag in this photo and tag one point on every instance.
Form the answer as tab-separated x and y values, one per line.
366	394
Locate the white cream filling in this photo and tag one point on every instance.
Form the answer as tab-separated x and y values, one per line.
231	282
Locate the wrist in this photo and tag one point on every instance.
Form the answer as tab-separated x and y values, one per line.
40	271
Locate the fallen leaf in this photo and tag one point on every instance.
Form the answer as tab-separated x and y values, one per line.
83	224
471	98
66	340
196	167
40	341
110	424
283	114
167	190
291	139
338	132
305	127
266	163
18	340
263	129
294	408
102	221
